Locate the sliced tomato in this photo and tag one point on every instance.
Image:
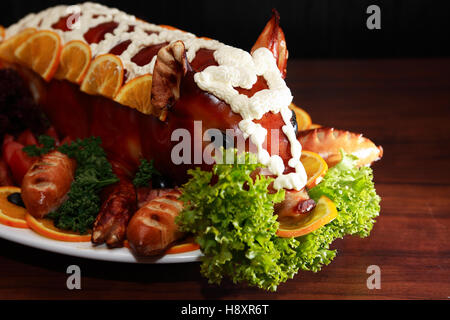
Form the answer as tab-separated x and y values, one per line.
8	149
67	140
5	177
27	138
18	161
7	138
19	164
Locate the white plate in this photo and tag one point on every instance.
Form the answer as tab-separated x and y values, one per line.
30	238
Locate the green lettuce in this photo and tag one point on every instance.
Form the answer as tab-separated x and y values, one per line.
353	192
231	216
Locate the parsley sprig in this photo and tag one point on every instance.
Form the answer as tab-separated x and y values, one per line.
93	173
47	144
145	173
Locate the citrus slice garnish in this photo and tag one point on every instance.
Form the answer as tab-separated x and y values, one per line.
40	52
104	76
315	125
303	118
183	247
74	62
136	94
8	46
187	245
315	167
10	214
45	227
324	212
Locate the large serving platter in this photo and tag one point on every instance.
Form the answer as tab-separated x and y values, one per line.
30	238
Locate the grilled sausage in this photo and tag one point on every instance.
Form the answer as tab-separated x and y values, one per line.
152	228
111	223
47	182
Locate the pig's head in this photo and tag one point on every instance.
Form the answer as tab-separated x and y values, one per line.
178	101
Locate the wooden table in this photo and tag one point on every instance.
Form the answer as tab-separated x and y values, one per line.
404	105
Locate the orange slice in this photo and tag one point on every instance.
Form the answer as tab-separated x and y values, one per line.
11	214
315	125
46	228
324	212
136	94
303	118
186	246
183	247
74	62
41	52
104	76
315	167
8	46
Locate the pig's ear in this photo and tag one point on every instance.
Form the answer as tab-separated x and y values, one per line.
170	66
272	38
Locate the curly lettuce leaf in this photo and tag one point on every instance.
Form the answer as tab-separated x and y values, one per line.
231	215
353	192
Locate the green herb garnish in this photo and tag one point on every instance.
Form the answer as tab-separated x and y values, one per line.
145	173
47	144
93	173
231	216
353	192
234	224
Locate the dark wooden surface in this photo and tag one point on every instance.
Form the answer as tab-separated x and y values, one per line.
403	105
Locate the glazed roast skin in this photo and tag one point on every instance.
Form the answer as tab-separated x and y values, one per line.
135	100
127	134
130	132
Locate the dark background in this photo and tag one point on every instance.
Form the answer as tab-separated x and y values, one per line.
401	104
313	28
